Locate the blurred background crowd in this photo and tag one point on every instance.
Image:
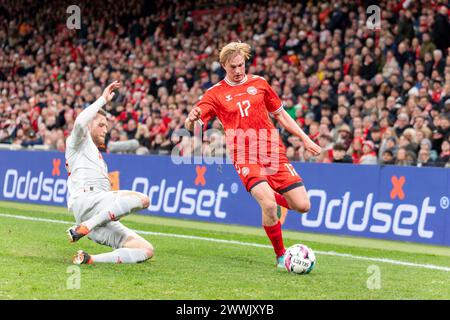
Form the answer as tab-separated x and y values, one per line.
366	96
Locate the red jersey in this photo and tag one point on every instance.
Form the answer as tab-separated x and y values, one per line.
243	109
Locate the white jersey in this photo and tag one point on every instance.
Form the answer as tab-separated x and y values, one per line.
84	162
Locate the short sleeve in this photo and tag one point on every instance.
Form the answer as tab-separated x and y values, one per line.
273	103
207	105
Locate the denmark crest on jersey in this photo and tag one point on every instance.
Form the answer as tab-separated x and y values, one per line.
252	90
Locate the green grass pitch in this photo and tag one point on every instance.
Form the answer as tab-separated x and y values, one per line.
35	263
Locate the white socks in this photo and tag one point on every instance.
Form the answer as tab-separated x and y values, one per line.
122	255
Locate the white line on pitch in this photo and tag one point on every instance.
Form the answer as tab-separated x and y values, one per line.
249	244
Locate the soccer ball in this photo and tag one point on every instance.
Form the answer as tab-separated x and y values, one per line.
299	259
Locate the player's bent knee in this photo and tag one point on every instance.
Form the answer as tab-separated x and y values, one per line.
147	248
149	252
139	200
145	201
303	206
136	242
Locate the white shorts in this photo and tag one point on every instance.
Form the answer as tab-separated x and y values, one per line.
91	203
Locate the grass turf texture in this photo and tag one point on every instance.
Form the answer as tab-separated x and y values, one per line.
35	256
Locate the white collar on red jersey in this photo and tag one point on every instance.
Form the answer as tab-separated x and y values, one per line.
231	83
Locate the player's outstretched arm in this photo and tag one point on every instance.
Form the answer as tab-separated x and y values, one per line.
290	125
88	114
193	116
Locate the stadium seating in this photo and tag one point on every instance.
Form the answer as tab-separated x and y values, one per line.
388	86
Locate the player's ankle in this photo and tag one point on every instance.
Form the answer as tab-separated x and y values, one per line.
83	229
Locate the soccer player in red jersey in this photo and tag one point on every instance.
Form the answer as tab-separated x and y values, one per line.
243	103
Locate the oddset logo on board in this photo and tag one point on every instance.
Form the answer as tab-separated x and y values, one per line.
400	215
47	186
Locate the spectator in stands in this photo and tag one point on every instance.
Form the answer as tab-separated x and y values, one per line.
326	143
424	159
387	158
444	156
369	155
441	28
345	136
402	124
405	157
339	155
375	137
143	136
131	129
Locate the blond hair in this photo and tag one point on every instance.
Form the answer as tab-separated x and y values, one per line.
102	112
410	134
233	49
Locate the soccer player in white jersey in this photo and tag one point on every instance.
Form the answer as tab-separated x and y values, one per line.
95	207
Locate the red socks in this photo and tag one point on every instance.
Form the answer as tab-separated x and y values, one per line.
280	200
274	234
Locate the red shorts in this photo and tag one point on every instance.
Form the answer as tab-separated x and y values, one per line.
281	179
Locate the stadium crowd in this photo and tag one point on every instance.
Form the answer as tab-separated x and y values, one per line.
366	96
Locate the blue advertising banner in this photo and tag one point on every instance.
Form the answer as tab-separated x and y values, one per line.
398	203
386	202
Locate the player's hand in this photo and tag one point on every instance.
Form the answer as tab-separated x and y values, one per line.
195	114
312	147
108	93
